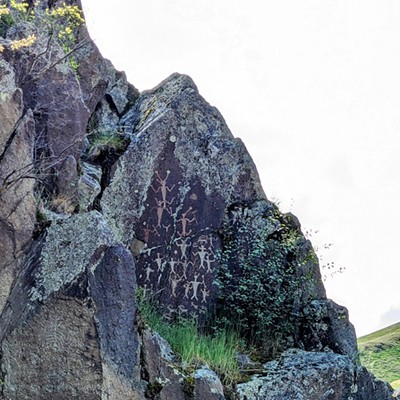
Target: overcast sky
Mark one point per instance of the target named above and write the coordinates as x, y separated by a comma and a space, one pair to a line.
313, 89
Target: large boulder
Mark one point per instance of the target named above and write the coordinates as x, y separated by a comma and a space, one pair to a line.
301, 375
68, 330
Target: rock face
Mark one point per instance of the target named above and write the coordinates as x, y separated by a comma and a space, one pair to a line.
307, 376
104, 190
177, 178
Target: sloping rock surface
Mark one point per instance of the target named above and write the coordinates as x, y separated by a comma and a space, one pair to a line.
300, 375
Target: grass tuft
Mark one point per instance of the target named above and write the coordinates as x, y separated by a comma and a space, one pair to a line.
217, 350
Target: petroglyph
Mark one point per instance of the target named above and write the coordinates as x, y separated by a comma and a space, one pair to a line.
163, 188
195, 286
174, 283
148, 231
186, 220
172, 264
148, 273
185, 264
159, 262
204, 293
187, 287
202, 253
208, 262
183, 245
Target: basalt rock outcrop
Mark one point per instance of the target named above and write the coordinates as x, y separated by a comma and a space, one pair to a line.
105, 190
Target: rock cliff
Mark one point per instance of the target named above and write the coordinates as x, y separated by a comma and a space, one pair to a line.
105, 190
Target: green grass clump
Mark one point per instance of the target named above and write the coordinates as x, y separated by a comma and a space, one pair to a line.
217, 350
380, 354
108, 140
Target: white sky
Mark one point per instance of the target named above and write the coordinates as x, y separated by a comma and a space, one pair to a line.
313, 89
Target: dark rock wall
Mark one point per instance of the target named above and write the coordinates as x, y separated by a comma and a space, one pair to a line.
103, 189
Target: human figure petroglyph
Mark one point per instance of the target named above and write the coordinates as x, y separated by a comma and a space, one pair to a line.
147, 232
206, 239
148, 270
183, 246
163, 187
209, 261
172, 264
187, 287
174, 283
195, 286
160, 211
202, 253
185, 264
186, 220
159, 261
204, 293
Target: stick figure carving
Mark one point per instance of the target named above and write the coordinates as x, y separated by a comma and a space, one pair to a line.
174, 283
159, 261
187, 287
183, 244
205, 293
147, 232
186, 220
195, 286
148, 272
163, 187
209, 261
172, 263
185, 264
202, 253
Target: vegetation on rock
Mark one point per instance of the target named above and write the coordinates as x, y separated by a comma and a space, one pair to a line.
192, 343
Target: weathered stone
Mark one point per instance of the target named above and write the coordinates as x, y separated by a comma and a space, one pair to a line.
191, 168
327, 325
207, 385
69, 330
300, 375
122, 94
89, 186
113, 290
18, 205
165, 382
54, 355
10, 103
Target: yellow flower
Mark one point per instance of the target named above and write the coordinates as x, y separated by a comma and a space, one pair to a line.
4, 10
1, 48
21, 7
26, 42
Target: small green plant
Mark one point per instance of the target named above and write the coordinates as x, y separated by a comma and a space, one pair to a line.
192, 344
106, 141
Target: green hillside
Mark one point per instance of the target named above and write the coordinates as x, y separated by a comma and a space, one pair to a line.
380, 353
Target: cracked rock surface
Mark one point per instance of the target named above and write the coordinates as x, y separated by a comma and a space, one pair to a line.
104, 190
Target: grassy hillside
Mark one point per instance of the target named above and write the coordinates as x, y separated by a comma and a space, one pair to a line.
380, 353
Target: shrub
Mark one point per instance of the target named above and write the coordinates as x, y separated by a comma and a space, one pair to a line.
260, 281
